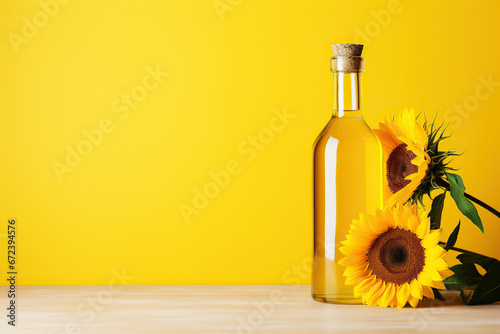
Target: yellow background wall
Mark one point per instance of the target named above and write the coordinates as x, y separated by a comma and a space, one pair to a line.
231, 71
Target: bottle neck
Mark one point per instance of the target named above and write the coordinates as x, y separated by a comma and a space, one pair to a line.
346, 93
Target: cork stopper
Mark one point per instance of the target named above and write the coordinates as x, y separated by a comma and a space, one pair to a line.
347, 58
347, 50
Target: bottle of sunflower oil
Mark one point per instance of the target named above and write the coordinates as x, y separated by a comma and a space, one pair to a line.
347, 159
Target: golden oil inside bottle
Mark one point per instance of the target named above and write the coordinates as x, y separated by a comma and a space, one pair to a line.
348, 174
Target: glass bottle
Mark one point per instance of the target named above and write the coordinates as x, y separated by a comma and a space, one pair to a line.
347, 159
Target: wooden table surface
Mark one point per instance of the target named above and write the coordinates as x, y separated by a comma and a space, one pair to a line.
227, 309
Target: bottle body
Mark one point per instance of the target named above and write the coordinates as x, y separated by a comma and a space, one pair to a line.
348, 172
347, 182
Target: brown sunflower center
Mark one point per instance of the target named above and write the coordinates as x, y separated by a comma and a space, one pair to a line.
396, 256
399, 166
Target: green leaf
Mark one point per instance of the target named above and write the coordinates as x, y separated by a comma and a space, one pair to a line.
465, 206
484, 261
452, 239
438, 295
436, 211
466, 275
488, 289
466, 294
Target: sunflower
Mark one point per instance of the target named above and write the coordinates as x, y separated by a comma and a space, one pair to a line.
393, 257
404, 142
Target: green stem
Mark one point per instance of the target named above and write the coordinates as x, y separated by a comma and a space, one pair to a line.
446, 185
456, 249
484, 205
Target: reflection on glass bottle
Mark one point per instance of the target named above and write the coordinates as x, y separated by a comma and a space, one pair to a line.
347, 158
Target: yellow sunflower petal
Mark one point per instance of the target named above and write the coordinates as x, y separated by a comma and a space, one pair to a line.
435, 252
438, 285
404, 294
375, 293
424, 278
432, 272
352, 260
413, 223
423, 229
388, 295
364, 286
427, 291
432, 239
416, 289
357, 270
445, 273
413, 301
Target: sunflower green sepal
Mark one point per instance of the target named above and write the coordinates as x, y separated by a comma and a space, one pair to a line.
439, 162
